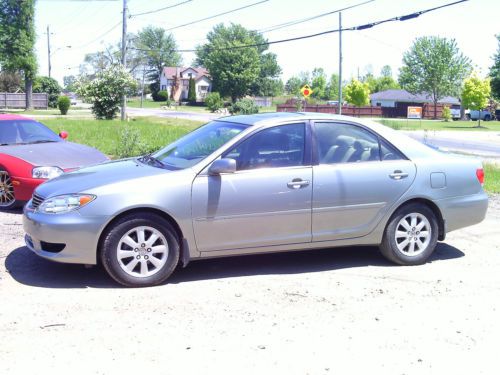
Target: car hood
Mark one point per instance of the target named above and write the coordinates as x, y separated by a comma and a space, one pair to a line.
65, 155
85, 179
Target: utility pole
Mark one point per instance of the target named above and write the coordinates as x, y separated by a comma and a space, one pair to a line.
340, 63
124, 52
48, 49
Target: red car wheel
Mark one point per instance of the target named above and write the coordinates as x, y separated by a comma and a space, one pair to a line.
7, 197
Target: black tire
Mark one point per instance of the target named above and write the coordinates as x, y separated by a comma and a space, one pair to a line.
487, 118
395, 249
125, 228
7, 196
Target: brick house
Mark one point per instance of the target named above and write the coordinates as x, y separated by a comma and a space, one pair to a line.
177, 79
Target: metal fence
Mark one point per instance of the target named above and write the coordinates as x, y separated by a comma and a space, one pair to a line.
18, 100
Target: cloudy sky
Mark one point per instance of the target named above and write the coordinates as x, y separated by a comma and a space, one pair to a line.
89, 26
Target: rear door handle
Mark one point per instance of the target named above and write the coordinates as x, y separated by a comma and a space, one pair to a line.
297, 183
398, 175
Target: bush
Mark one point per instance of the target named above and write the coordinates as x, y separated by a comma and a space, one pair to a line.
130, 144
214, 101
192, 91
63, 103
50, 86
105, 91
244, 107
446, 114
161, 96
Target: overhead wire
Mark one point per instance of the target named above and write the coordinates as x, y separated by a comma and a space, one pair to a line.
160, 9
353, 28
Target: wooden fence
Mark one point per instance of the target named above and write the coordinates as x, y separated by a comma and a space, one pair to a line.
367, 111
18, 100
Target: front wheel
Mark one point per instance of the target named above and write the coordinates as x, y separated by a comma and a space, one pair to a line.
140, 249
7, 196
411, 235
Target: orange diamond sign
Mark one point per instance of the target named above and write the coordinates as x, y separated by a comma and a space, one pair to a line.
306, 91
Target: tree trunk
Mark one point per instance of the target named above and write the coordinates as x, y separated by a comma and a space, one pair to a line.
435, 109
29, 93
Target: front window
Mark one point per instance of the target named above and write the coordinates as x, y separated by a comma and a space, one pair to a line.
16, 132
197, 145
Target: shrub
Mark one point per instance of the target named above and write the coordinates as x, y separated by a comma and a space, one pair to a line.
214, 101
105, 91
244, 107
50, 86
192, 91
63, 103
130, 144
446, 114
161, 96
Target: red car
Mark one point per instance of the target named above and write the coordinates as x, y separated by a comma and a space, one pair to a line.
31, 153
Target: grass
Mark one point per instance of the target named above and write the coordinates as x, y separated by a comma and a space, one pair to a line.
148, 103
107, 136
492, 178
403, 124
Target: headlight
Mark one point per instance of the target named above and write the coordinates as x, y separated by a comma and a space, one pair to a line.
46, 172
65, 203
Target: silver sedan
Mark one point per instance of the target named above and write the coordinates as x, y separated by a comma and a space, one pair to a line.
256, 184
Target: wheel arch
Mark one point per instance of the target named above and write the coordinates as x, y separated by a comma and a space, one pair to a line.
430, 204
183, 245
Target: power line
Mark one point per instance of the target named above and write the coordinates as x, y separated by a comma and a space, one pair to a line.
217, 15
296, 22
159, 10
353, 28
100, 36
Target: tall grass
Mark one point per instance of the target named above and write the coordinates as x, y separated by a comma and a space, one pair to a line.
492, 178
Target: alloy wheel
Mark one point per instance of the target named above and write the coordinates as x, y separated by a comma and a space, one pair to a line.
413, 234
7, 197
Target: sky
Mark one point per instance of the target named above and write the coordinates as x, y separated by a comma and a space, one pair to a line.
78, 27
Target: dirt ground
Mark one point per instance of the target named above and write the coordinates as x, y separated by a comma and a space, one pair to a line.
337, 311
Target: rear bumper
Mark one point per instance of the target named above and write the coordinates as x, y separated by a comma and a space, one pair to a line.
464, 211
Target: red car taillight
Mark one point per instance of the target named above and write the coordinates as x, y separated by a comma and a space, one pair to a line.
480, 175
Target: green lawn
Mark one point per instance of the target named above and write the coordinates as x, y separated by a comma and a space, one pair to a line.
492, 178
148, 103
116, 138
404, 124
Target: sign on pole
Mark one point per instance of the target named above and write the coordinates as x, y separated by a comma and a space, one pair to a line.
306, 91
414, 112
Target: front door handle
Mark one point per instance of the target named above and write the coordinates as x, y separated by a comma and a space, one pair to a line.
398, 175
297, 183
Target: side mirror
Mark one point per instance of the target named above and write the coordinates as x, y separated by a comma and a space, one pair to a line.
222, 166
63, 134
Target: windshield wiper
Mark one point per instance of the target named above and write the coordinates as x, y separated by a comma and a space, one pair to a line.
148, 159
39, 141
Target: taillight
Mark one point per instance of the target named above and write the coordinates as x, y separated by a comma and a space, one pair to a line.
480, 175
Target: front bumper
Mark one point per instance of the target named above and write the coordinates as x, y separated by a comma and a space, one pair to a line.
46, 233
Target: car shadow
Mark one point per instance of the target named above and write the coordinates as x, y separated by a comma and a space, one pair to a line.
15, 211
29, 269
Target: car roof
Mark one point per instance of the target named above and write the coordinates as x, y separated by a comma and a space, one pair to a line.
11, 116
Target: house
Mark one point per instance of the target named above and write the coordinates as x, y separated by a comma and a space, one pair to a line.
177, 79
395, 103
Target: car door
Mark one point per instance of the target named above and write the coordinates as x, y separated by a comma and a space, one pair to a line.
357, 177
266, 202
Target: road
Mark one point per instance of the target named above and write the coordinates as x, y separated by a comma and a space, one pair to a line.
333, 311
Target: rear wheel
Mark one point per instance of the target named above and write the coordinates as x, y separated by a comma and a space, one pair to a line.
7, 196
140, 249
411, 235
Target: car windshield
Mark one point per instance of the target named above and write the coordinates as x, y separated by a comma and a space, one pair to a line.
21, 132
195, 146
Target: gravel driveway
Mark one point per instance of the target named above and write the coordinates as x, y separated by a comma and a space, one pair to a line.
342, 311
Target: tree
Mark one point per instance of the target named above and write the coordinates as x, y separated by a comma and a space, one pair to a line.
105, 91
50, 86
158, 50
318, 83
10, 81
357, 93
386, 71
112, 55
17, 41
332, 88
268, 83
434, 66
237, 71
293, 85
69, 83
495, 72
192, 91
476, 93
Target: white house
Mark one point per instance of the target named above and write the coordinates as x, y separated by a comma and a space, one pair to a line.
177, 79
